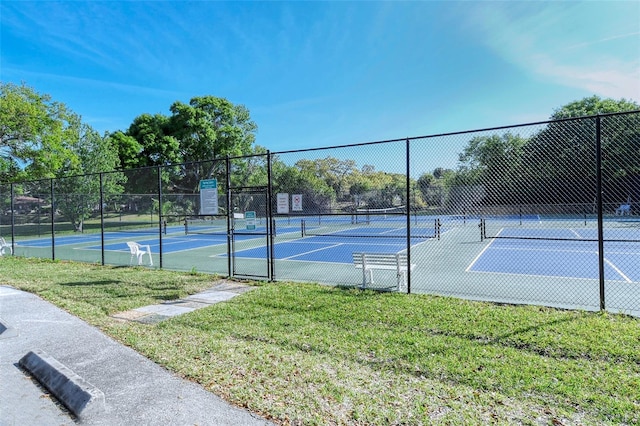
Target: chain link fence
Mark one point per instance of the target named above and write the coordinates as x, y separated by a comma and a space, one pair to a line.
544, 213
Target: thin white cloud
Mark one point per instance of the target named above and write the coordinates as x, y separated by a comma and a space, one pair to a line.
93, 83
556, 42
608, 79
604, 40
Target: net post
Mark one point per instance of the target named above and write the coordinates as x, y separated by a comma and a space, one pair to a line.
520, 210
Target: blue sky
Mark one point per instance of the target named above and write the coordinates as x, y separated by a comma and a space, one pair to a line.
326, 73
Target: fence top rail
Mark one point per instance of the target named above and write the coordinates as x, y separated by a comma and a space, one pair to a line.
462, 132
269, 153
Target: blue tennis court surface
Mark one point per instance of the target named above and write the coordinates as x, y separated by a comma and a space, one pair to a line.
571, 257
116, 241
84, 238
330, 248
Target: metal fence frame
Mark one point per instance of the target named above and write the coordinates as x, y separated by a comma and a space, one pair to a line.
162, 193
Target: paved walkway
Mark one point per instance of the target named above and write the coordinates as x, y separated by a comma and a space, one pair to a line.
225, 290
136, 390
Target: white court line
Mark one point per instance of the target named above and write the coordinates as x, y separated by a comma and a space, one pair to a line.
312, 251
481, 253
618, 271
614, 267
576, 233
542, 249
516, 274
343, 243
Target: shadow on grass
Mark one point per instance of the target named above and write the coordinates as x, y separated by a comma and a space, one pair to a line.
84, 283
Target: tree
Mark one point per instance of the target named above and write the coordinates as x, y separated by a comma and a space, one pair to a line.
333, 171
377, 189
430, 189
210, 127
128, 148
317, 194
204, 129
78, 185
155, 136
35, 134
565, 154
593, 105
494, 162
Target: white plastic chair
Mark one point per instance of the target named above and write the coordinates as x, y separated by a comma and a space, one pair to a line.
138, 250
4, 245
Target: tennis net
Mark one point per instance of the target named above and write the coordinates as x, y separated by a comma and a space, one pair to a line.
208, 226
561, 230
372, 229
372, 215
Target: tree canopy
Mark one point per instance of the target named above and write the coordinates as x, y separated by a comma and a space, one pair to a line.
36, 134
555, 163
207, 127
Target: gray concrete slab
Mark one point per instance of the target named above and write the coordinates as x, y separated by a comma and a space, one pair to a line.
166, 310
212, 296
136, 390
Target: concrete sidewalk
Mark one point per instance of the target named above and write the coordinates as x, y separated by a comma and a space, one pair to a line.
136, 390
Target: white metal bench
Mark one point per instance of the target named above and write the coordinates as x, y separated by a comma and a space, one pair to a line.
383, 261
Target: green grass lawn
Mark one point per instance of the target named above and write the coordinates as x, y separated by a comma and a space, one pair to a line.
311, 354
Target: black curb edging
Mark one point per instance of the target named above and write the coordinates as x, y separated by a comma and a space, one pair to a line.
79, 396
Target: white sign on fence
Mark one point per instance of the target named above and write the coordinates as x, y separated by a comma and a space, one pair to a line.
296, 202
209, 196
283, 203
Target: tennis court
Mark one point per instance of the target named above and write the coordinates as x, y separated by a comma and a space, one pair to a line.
335, 239
174, 240
562, 249
337, 249
533, 248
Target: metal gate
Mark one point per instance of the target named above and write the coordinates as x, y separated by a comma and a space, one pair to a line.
250, 233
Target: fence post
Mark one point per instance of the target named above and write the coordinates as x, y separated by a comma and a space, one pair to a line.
101, 219
53, 223
270, 221
159, 171
600, 213
229, 214
13, 222
408, 198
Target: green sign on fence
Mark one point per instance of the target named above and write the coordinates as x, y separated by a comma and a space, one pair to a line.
250, 218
